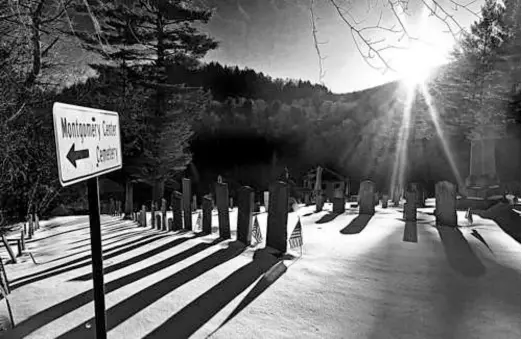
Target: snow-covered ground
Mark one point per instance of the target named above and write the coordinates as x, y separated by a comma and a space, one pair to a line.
358, 277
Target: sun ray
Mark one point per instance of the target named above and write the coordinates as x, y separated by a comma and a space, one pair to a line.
399, 164
440, 133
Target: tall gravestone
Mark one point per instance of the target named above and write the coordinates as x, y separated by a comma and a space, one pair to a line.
446, 204
276, 234
367, 198
153, 214
187, 208
222, 206
419, 193
245, 209
266, 199
410, 206
338, 201
385, 201
177, 215
143, 216
207, 215
194, 203
163, 214
396, 196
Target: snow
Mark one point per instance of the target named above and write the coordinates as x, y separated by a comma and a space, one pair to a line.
357, 278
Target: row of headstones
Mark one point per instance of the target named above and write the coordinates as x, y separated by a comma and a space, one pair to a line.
115, 207
27, 232
181, 207
445, 201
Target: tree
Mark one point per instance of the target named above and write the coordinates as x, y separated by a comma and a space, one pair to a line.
383, 28
156, 35
473, 86
30, 32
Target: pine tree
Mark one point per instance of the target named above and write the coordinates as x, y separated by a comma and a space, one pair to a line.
156, 35
473, 86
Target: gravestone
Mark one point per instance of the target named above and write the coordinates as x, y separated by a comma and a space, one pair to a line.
207, 215
30, 226
319, 201
231, 203
222, 206
385, 201
396, 196
419, 193
158, 221
153, 214
143, 216
245, 209
266, 196
164, 214
187, 208
446, 204
276, 234
177, 203
366, 198
410, 206
170, 225
338, 201
194, 203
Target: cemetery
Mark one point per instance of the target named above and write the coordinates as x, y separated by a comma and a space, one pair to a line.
250, 169
259, 257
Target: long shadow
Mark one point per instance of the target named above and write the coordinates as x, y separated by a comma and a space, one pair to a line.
114, 238
135, 259
503, 215
357, 224
308, 214
327, 218
67, 266
80, 229
88, 239
189, 319
410, 232
262, 285
84, 220
119, 237
459, 254
477, 235
139, 301
59, 310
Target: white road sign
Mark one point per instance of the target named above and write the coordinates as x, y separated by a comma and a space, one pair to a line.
87, 142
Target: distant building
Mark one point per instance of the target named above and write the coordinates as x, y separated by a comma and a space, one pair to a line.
330, 181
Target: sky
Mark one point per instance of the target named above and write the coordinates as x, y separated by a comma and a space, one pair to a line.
275, 37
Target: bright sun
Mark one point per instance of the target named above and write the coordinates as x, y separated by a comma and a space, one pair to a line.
416, 64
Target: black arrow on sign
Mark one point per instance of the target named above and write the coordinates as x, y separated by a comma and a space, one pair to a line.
73, 155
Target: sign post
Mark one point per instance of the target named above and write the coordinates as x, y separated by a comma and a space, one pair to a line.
88, 145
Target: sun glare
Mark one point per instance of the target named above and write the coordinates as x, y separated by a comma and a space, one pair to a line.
416, 65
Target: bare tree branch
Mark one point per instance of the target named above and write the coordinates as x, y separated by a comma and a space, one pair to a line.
316, 44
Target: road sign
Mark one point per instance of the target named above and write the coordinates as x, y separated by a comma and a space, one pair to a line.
88, 142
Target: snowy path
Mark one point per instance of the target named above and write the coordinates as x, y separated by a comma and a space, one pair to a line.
359, 277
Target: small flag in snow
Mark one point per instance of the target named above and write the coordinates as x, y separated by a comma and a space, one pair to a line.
469, 216
256, 231
296, 238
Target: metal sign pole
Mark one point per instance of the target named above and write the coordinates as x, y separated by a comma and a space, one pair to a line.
97, 258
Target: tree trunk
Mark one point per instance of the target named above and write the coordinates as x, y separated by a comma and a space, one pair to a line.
129, 197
